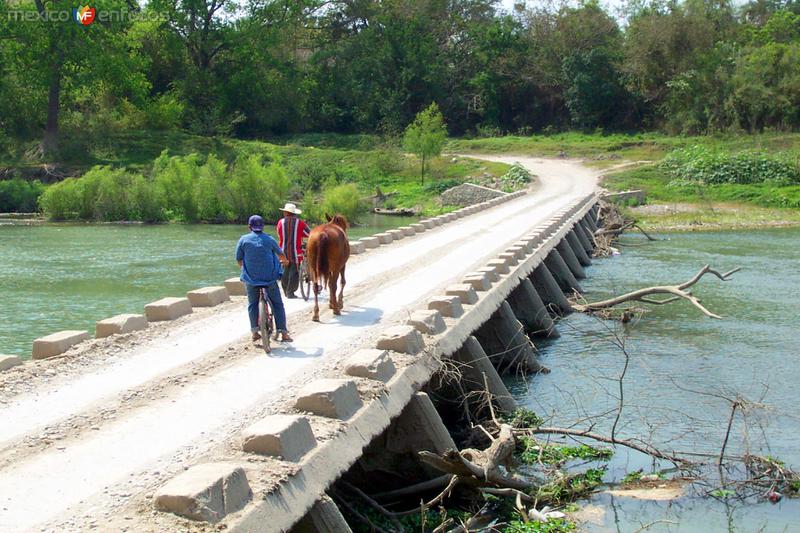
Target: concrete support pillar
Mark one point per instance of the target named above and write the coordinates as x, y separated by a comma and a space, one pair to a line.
589, 220
477, 373
584, 237
561, 272
324, 517
505, 342
394, 454
529, 309
570, 259
547, 288
577, 247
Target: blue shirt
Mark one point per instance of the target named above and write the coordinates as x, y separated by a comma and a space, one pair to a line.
259, 255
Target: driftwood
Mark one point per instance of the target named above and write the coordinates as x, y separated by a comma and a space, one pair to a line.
677, 292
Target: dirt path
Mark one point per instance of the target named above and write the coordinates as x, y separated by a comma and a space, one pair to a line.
85, 439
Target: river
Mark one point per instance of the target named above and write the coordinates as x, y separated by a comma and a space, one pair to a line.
68, 276
678, 360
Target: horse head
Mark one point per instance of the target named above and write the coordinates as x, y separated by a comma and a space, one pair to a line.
338, 220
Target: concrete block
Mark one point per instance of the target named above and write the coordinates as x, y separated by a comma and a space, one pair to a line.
429, 322
208, 296
419, 228
323, 517
370, 242
510, 258
478, 281
384, 238
419, 427
519, 251
549, 291
9, 361
437, 221
57, 343
206, 492
333, 398
428, 223
449, 306
119, 324
569, 257
167, 309
235, 287
465, 292
408, 231
525, 245
357, 247
396, 234
403, 339
286, 436
370, 364
490, 272
500, 266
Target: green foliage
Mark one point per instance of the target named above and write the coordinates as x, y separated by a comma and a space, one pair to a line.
426, 136
20, 196
534, 452
175, 178
632, 477
702, 165
255, 188
557, 525
105, 194
571, 487
439, 186
722, 493
524, 418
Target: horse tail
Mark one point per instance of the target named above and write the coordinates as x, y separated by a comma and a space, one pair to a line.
321, 265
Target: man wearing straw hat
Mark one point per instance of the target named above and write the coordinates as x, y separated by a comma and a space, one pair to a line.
291, 232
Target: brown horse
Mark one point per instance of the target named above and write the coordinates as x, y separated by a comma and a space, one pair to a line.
327, 252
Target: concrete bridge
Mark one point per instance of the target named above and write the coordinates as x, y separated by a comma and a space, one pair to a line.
174, 421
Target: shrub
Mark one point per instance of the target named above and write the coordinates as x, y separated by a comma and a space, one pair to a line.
63, 200
110, 202
255, 188
163, 113
344, 199
705, 166
211, 194
175, 179
18, 195
144, 203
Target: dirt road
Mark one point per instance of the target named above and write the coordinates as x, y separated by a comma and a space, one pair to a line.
85, 440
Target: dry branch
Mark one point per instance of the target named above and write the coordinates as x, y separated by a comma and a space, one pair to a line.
642, 295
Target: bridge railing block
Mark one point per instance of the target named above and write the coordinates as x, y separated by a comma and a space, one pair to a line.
57, 343
167, 309
206, 492
286, 436
427, 322
332, 398
371, 364
9, 361
119, 324
208, 296
464, 291
449, 306
403, 339
235, 287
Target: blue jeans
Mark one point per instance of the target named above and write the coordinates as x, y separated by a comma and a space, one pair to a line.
274, 296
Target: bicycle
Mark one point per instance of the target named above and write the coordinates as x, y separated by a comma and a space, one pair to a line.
303, 277
266, 323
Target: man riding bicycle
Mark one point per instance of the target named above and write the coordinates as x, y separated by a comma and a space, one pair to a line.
260, 258
291, 232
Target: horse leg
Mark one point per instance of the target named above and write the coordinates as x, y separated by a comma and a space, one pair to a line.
341, 288
315, 318
336, 309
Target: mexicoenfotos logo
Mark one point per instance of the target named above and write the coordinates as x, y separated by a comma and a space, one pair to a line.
84, 15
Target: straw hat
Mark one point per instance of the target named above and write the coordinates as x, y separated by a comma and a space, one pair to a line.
291, 208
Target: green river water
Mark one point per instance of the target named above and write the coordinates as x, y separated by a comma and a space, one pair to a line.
677, 357
68, 276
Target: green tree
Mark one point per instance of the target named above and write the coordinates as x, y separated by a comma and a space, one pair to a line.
425, 136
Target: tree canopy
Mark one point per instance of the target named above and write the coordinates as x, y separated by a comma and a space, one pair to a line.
259, 68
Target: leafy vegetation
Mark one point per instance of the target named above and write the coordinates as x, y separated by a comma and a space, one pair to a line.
18, 195
557, 525
425, 136
534, 452
704, 166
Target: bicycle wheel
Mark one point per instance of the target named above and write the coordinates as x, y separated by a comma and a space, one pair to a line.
264, 321
305, 281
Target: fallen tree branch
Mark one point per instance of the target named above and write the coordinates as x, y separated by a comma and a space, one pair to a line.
646, 449
677, 291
